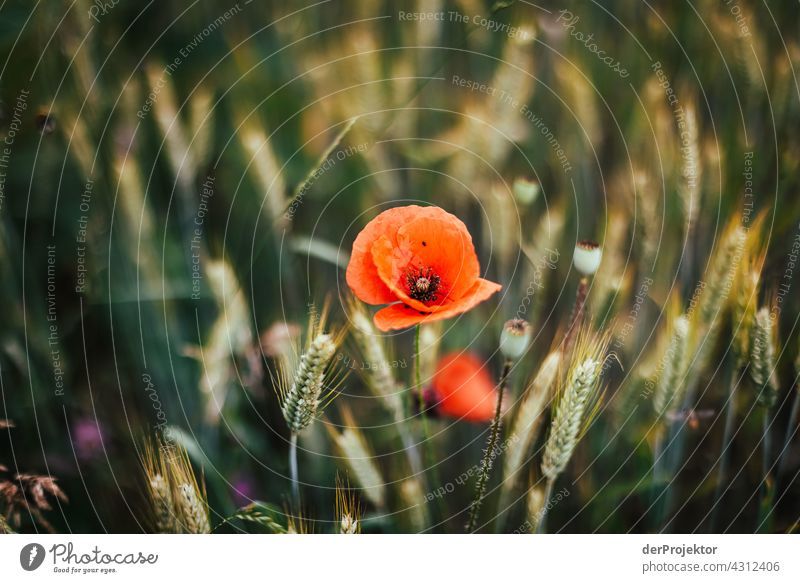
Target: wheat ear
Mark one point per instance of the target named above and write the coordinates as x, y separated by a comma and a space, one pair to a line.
178, 503
535, 506
301, 402
669, 389
744, 315
381, 379
689, 188
192, 509
762, 371
360, 460
163, 508
305, 389
569, 420
762, 358
159, 490
348, 510
576, 404
525, 426
188, 497
413, 498
722, 274
379, 369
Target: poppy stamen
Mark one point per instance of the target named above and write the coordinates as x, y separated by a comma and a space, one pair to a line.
423, 285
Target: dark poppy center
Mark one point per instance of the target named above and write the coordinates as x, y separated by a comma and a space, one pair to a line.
423, 284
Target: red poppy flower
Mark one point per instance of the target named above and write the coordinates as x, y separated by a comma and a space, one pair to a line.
422, 261
463, 388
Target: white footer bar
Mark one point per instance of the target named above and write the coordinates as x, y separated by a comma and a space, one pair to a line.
406, 558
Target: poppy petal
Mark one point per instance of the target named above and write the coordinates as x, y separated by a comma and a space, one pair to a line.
361, 274
438, 241
445, 246
389, 262
399, 316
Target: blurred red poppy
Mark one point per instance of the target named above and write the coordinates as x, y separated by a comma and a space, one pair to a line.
463, 388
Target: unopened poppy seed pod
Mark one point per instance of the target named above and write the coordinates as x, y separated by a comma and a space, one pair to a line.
587, 257
514, 338
525, 190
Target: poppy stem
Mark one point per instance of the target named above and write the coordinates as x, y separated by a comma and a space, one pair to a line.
426, 446
418, 389
293, 469
418, 373
490, 452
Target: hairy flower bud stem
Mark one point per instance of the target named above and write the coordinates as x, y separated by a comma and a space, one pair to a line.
578, 310
491, 446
